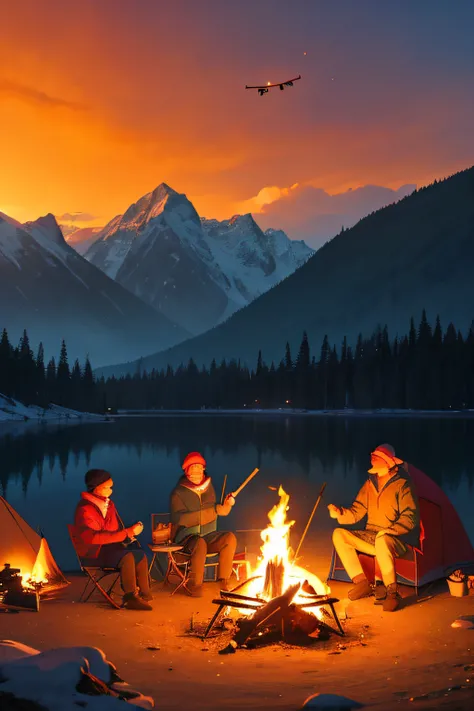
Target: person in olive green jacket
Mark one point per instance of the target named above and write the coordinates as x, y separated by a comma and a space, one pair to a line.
389, 501
194, 512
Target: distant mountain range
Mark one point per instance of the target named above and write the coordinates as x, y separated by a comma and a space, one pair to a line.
415, 254
198, 272
53, 292
82, 238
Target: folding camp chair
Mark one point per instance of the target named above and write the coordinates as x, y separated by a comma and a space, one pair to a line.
95, 574
411, 570
179, 562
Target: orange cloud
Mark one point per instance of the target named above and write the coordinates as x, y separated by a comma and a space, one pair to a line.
33, 96
311, 213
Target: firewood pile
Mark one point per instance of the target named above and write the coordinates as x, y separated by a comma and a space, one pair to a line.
278, 619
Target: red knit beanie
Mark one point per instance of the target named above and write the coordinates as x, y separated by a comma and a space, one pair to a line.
193, 458
387, 453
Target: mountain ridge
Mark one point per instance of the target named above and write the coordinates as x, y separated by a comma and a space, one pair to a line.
53, 292
196, 271
417, 253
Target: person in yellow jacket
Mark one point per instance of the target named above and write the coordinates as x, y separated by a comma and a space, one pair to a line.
389, 501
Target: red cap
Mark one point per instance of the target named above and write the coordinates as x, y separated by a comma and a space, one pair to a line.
193, 458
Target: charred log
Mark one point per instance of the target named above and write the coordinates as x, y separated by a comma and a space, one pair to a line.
274, 578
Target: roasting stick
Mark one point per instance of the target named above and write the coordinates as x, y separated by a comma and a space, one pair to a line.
223, 488
309, 521
250, 476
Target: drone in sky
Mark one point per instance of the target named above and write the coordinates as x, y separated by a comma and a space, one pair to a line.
265, 89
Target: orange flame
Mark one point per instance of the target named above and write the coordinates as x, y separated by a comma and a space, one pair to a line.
37, 576
276, 548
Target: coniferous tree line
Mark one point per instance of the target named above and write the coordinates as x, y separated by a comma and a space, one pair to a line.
26, 377
427, 369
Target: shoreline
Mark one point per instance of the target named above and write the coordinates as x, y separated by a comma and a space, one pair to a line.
460, 414
17, 426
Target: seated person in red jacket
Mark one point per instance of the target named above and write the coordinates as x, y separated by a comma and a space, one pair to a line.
101, 534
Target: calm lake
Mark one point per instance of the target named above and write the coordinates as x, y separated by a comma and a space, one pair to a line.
42, 471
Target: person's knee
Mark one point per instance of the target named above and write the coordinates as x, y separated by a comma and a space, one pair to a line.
338, 536
231, 539
384, 544
200, 547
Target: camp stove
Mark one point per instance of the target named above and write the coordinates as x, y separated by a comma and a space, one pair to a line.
13, 594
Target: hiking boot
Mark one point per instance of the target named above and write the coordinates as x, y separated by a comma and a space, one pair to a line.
194, 590
380, 593
392, 601
362, 589
227, 584
134, 602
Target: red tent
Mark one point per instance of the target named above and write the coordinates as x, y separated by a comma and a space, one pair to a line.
445, 545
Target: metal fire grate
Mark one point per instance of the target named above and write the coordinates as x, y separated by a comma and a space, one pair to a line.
235, 600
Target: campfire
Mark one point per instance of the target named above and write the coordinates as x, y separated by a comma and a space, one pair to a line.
277, 569
35, 580
280, 599
17, 590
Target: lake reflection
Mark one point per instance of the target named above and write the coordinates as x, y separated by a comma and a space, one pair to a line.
42, 472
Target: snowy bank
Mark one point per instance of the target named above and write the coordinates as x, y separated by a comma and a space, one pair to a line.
64, 679
14, 411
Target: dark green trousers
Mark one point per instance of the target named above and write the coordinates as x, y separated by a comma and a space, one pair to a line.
222, 542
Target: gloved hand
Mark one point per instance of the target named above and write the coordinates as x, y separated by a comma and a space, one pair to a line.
229, 499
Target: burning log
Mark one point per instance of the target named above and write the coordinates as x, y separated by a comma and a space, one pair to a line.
274, 579
275, 610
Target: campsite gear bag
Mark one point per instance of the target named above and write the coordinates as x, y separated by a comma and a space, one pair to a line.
161, 534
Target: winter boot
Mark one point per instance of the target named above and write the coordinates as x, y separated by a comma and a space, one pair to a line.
392, 601
380, 592
133, 602
361, 589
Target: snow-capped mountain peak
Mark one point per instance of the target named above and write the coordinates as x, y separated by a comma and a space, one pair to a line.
149, 206
197, 271
55, 293
253, 260
138, 228
47, 228
12, 240
10, 220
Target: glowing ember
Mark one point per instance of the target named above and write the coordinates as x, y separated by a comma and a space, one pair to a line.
276, 551
35, 578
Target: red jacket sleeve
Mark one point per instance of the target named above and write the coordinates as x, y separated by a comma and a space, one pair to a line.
90, 531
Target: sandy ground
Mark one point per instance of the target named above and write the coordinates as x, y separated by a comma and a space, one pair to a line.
406, 654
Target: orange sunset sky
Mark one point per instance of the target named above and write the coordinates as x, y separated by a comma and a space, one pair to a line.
102, 101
